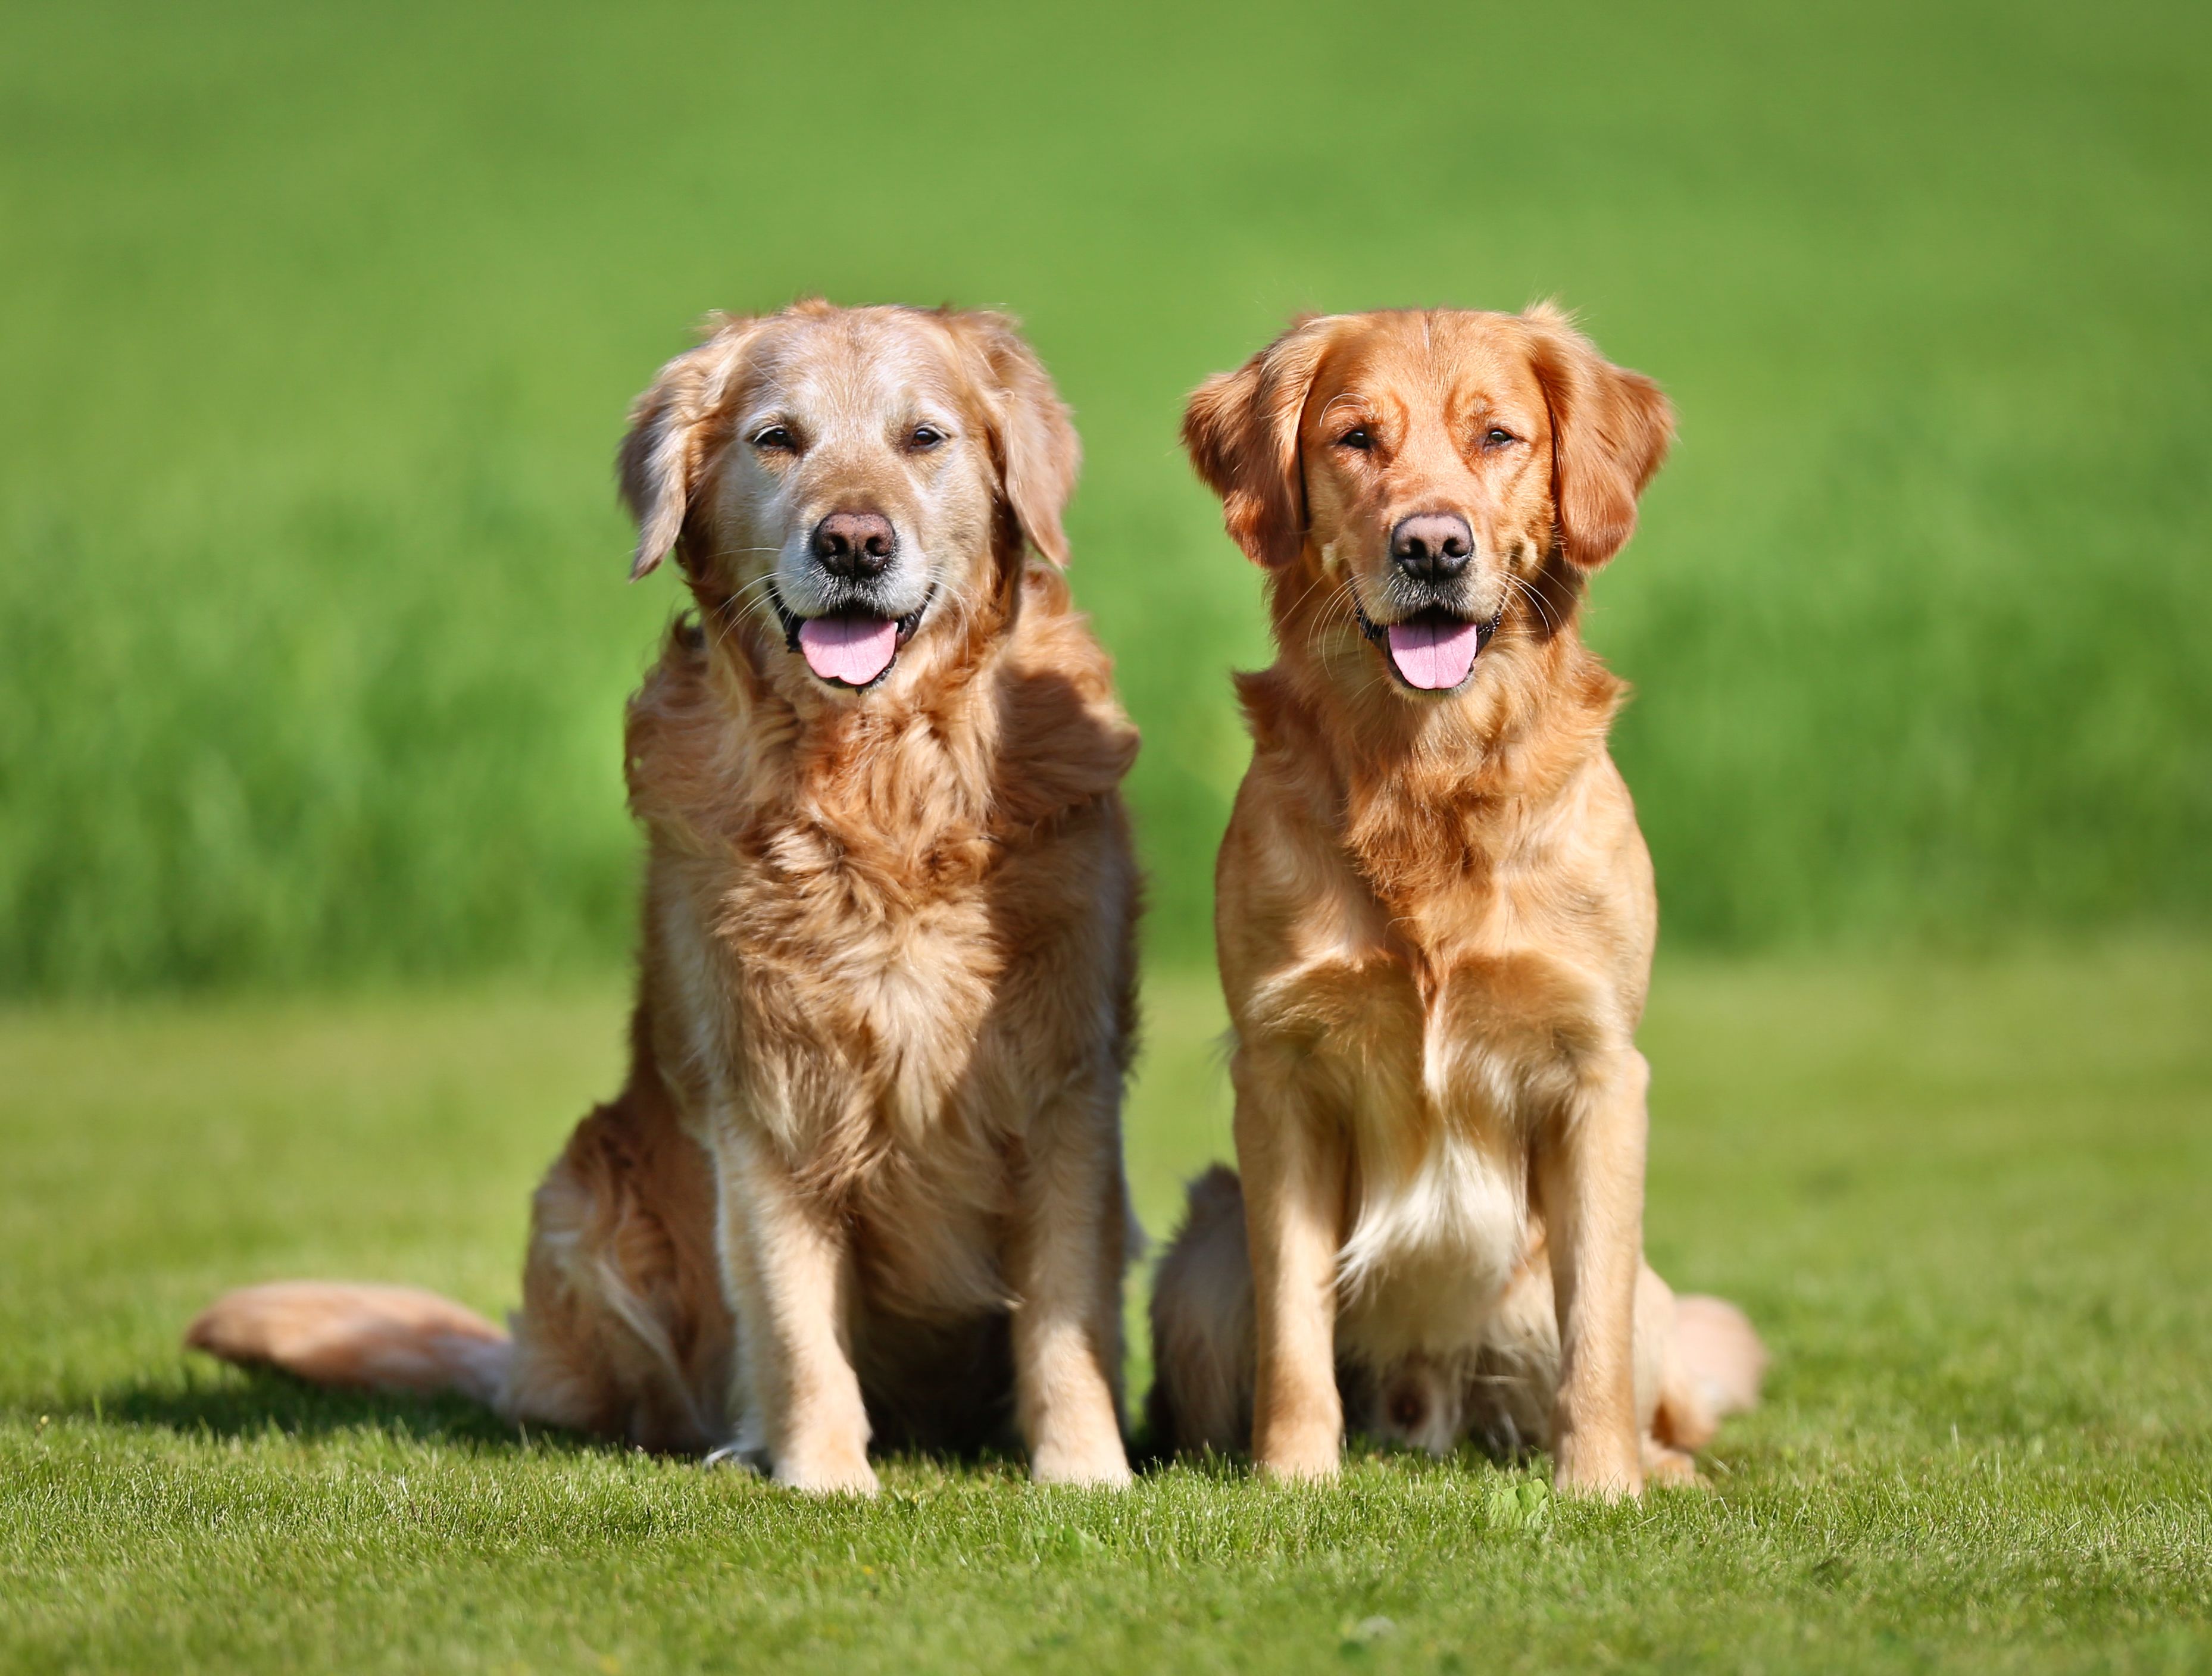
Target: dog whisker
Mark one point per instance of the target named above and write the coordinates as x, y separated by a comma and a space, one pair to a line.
1536, 599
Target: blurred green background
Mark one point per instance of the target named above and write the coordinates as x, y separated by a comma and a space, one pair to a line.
320, 323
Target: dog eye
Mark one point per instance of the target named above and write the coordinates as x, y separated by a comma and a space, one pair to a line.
924, 438
1495, 438
774, 439
1357, 438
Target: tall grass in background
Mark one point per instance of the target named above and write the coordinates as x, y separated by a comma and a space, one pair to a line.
319, 325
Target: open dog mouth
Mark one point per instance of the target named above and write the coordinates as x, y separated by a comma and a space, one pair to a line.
853, 647
1431, 651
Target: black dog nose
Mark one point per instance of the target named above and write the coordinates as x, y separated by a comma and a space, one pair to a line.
855, 545
1432, 545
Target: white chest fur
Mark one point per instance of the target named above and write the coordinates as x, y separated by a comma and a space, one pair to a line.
1433, 1242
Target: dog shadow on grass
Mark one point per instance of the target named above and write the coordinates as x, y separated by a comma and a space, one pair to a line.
253, 1403
257, 1405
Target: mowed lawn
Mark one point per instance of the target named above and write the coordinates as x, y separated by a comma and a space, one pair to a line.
1965, 1200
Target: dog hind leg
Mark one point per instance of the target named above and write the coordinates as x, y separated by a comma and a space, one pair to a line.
622, 1331
1202, 1318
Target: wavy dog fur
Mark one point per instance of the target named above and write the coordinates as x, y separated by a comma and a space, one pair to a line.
1435, 917
865, 1178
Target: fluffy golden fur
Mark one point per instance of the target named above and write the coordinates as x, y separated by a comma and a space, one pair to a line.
865, 1178
1435, 918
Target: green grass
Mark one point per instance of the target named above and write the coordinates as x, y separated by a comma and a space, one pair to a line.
1964, 1199
322, 321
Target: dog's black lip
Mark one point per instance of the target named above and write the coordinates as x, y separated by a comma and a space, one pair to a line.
791, 621
1378, 633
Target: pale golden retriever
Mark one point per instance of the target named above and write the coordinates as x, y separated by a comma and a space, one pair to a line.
1435, 917
865, 1178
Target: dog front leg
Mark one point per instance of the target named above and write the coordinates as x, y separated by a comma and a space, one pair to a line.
1065, 1263
790, 1278
1294, 1171
1589, 1184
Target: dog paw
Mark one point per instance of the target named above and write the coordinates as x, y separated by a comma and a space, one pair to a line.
1100, 1468
1599, 1469
840, 1473
1300, 1458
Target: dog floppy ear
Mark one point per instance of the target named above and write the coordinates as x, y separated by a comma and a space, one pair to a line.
1241, 431
670, 437
1610, 428
1033, 435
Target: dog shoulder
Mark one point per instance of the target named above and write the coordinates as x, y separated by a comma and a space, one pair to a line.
1064, 739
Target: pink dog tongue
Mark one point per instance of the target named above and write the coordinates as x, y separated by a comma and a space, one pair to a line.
852, 649
1433, 657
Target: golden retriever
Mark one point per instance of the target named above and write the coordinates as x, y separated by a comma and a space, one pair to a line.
865, 1178
1435, 918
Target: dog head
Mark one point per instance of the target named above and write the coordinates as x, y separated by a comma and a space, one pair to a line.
1408, 476
837, 482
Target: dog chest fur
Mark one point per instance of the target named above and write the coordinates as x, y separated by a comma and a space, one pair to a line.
856, 955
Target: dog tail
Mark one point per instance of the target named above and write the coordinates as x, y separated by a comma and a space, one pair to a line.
1720, 1352
369, 1338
